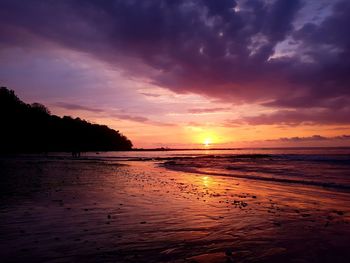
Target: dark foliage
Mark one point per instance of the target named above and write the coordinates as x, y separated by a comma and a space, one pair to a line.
31, 128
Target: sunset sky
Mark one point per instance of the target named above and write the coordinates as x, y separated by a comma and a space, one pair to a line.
179, 73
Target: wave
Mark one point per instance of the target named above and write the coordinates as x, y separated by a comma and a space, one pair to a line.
320, 171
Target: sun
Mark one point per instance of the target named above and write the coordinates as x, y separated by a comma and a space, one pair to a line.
206, 139
207, 142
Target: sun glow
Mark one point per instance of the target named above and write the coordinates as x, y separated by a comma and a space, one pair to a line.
207, 142
206, 138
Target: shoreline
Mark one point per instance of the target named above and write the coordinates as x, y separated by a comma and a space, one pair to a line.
102, 211
181, 149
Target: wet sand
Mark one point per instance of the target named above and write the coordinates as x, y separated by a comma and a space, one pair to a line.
64, 210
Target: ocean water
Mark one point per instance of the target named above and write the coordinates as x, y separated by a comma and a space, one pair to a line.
325, 167
243, 205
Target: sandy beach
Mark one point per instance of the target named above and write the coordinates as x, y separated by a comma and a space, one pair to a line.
59, 209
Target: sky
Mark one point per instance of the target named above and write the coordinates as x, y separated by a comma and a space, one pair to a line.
185, 73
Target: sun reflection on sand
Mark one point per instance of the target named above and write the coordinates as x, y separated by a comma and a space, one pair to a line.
207, 181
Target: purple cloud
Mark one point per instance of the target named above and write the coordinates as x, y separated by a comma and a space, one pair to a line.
313, 138
70, 106
141, 119
207, 110
224, 49
296, 117
150, 94
131, 117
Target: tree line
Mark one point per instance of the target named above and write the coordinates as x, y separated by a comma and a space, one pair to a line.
27, 128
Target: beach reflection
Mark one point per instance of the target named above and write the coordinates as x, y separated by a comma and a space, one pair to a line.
142, 212
207, 181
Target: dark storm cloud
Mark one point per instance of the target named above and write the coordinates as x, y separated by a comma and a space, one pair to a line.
218, 48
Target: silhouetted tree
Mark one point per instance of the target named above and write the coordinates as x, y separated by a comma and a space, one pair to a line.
40, 108
31, 128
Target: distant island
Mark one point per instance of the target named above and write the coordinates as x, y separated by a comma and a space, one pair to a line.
31, 128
